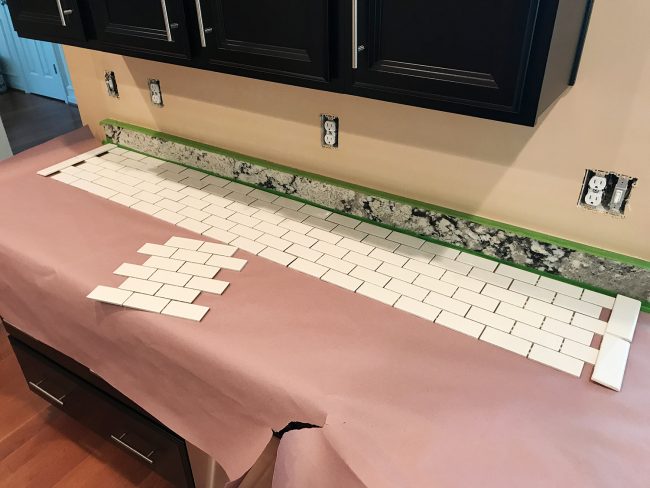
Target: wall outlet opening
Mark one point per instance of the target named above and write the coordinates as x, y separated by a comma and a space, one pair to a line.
155, 92
329, 131
606, 192
111, 84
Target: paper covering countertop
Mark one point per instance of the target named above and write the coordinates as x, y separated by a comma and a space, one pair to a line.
402, 402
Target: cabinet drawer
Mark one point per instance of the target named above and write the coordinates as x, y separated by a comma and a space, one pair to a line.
160, 449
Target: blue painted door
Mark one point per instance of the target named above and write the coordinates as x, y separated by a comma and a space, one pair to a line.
33, 66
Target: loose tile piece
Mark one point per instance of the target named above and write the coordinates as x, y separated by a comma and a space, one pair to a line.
308, 267
415, 307
107, 294
378, 293
341, 280
517, 274
201, 270
157, 250
556, 360
163, 263
141, 286
134, 270
184, 243
598, 299
170, 277
277, 256
506, 341
185, 311
579, 306
216, 287
178, 293
146, 303
611, 362
625, 314
460, 324
220, 249
226, 262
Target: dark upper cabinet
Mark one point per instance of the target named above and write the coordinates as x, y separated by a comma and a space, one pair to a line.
506, 60
282, 40
51, 20
484, 58
142, 27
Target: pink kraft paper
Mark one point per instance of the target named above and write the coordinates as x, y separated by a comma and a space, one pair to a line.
403, 402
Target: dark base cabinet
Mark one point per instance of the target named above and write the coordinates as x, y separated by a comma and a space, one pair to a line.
71, 387
505, 60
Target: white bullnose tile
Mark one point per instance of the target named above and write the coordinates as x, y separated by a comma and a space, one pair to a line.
279, 257
460, 324
342, 280
477, 261
579, 306
170, 277
146, 303
506, 341
107, 294
185, 311
178, 293
611, 362
307, 267
532, 291
538, 336
216, 287
598, 299
476, 299
625, 314
201, 270
226, 262
517, 274
568, 331
415, 307
560, 287
580, 351
141, 286
135, 270
378, 293
519, 314
556, 360
495, 321
163, 263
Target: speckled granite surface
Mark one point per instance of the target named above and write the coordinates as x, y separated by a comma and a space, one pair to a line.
576, 265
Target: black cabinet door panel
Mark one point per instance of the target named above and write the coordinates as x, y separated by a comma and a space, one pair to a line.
463, 51
287, 38
57, 20
144, 26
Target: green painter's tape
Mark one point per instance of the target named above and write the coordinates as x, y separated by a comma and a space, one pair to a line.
490, 223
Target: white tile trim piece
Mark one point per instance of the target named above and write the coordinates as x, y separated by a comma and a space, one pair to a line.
107, 294
609, 370
185, 311
580, 351
556, 360
75, 160
598, 299
625, 314
589, 323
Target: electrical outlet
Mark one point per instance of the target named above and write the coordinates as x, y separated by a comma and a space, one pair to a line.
155, 92
329, 131
606, 192
111, 84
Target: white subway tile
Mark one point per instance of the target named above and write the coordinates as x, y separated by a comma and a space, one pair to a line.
380, 243
556, 360
332, 250
407, 289
217, 201
68, 179
301, 239
568, 331
304, 252
440, 250
163, 263
343, 220
141, 286
579, 351
336, 264
134, 270
125, 200
493, 320
598, 299
170, 277
244, 220
292, 215
506, 341
341, 280
447, 303
266, 206
476, 299
145, 196
288, 203
272, 229
274, 242
344, 231
202, 270
178, 293
147, 303
220, 249
242, 209
611, 362
373, 230
239, 188
171, 194
220, 235
589, 323
325, 236
491, 278
579, 306
504, 295
362, 260
460, 324
462, 281
194, 203
226, 262
532, 291
263, 195
477, 261
517, 274
157, 250
415, 254
317, 212
405, 239
558, 313
455, 266
435, 285
245, 231
248, 245
415, 307
145, 207
397, 272
355, 246
425, 269
388, 257
319, 223
308, 267
277, 256
193, 225
295, 226
107, 294
537, 336
378, 293
185, 311
625, 313
219, 223
216, 287
191, 256
170, 205
560, 287
519, 314
369, 276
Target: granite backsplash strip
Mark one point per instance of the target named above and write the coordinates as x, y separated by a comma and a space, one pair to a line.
571, 264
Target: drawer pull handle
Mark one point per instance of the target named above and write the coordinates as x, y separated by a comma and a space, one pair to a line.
120, 442
37, 387
61, 13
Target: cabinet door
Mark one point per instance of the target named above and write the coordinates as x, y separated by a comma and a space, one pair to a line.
460, 52
49, 20
287, 40
143, 27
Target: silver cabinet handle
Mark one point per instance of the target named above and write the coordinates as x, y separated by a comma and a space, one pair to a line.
202, 30
355, 34
168, 27
120, 442
61, 13
45, 393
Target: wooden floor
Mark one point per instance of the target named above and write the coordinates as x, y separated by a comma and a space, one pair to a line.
40, 447
31, 120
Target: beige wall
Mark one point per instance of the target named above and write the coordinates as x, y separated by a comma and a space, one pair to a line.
521, 176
